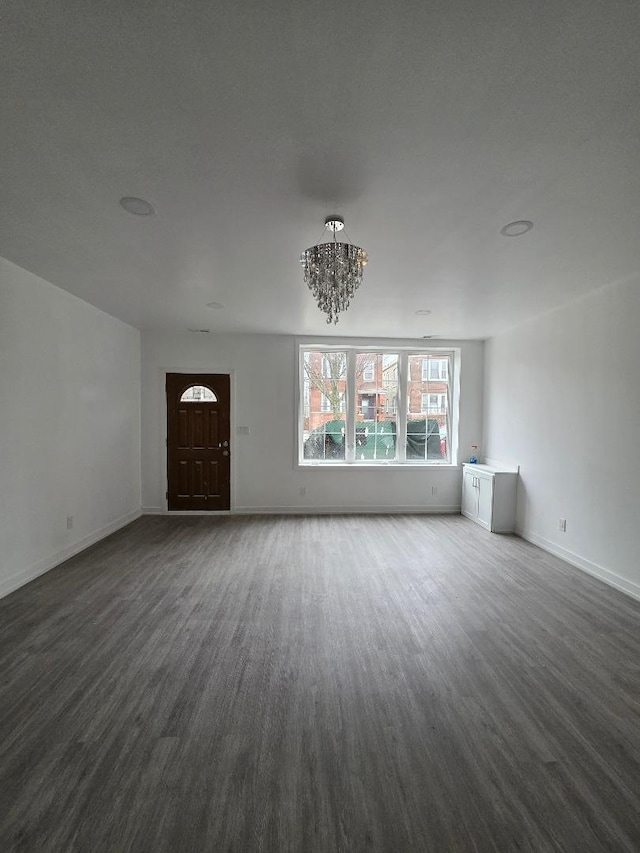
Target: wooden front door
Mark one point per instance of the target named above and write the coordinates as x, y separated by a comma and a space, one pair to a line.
198, 441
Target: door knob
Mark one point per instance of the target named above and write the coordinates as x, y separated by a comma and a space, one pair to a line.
225, 452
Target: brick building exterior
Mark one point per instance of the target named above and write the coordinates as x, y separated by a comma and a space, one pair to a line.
376, 388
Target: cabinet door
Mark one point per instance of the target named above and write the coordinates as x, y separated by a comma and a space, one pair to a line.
485, 501
469, 495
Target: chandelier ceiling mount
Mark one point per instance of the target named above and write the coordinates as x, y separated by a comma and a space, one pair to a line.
334, 223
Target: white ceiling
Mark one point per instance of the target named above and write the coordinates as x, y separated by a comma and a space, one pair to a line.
428, 124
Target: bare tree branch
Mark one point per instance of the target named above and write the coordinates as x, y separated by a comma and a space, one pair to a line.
329, 375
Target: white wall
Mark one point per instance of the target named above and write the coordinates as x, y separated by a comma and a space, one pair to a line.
69, 425
562, 400
264, 473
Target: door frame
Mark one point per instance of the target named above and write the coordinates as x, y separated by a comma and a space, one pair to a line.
163, 467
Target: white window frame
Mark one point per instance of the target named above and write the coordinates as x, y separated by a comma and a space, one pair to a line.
306, 398
451, 355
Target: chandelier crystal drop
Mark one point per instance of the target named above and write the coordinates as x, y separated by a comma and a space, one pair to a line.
333, 271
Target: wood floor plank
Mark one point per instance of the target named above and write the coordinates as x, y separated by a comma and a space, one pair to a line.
320, 683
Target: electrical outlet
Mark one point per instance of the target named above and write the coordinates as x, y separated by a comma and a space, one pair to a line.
69, 522
562, 525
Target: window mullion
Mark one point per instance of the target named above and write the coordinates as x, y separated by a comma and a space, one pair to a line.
300, 392
449, 404
401, 417
351, 407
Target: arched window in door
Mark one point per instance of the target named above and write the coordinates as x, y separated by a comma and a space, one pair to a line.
198, 394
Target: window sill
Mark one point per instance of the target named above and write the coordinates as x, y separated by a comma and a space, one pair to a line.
376, 465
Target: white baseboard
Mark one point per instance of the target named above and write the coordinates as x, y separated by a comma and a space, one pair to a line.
158, 510
344, 510
315, 510
591, 568
22, 577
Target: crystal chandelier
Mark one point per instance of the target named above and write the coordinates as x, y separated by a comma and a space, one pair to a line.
333, 271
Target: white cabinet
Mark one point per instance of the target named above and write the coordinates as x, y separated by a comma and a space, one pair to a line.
489, 497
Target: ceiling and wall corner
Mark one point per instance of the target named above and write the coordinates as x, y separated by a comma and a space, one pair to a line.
428, 126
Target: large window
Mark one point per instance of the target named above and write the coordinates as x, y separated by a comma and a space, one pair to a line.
375, 406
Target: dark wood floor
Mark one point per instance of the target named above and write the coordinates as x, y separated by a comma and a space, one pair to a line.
318, 684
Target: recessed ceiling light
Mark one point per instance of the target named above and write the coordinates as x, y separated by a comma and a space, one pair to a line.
422, 312
517, 228
137, 206
215, 305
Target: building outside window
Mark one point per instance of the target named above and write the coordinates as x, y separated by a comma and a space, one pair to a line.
434, 369
368, 372
434, 404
